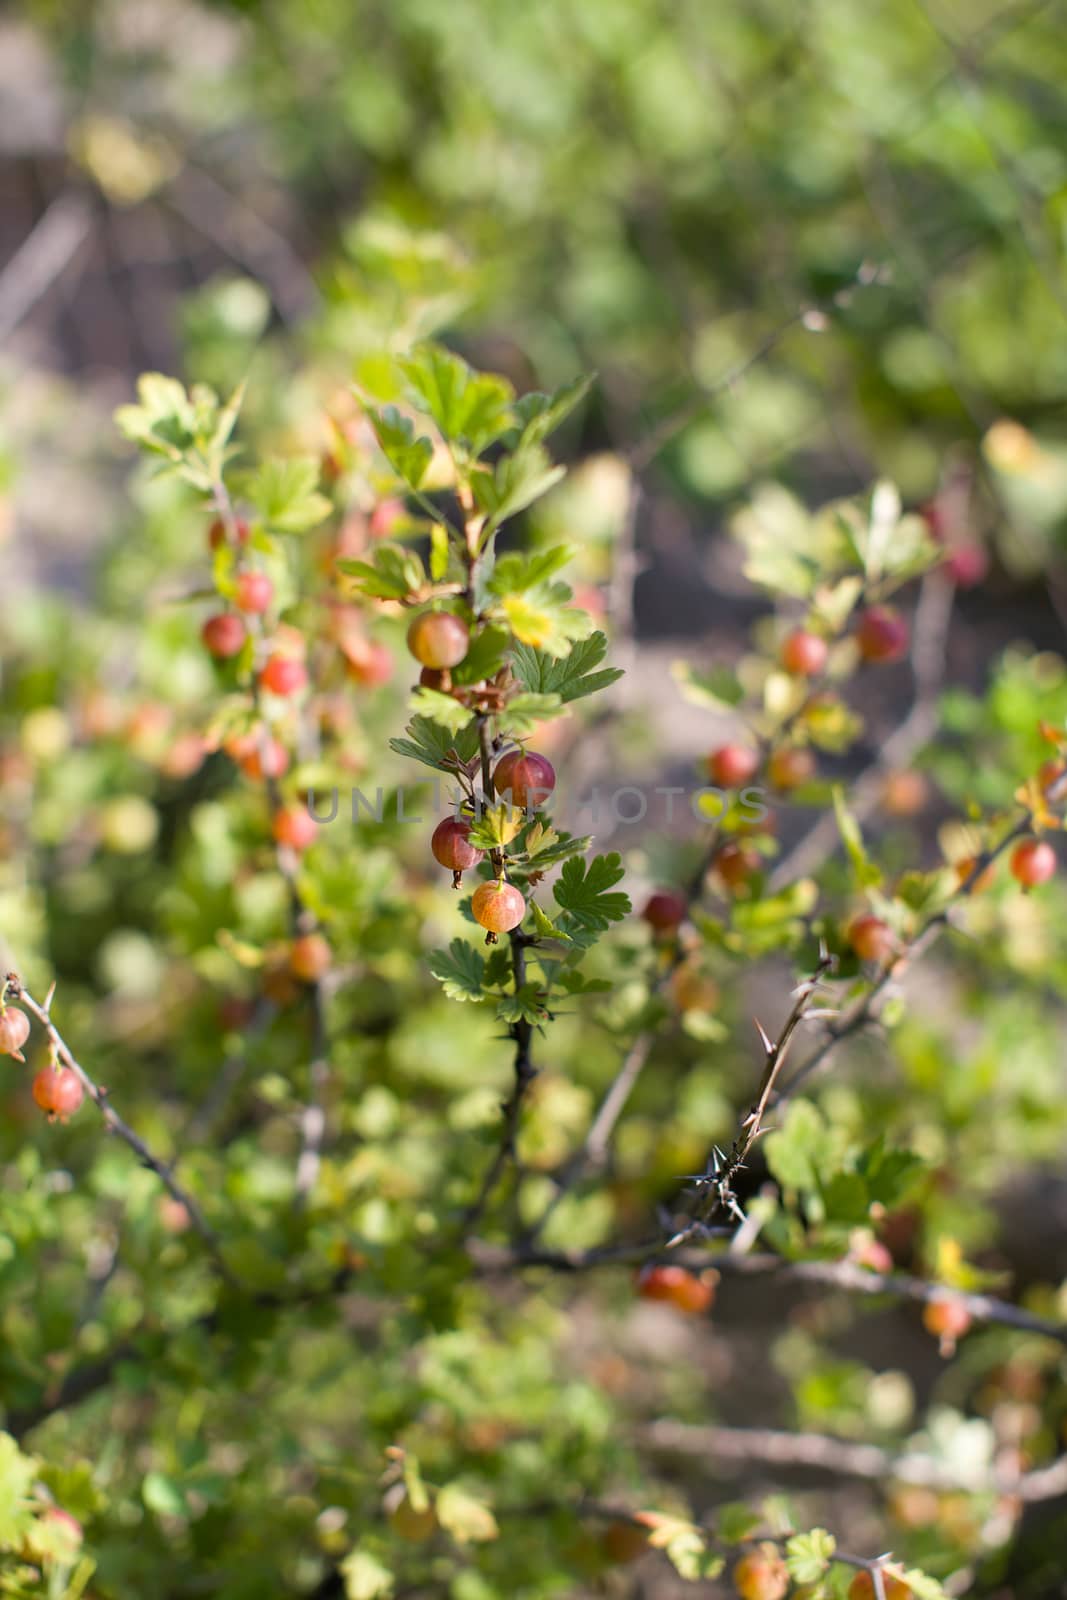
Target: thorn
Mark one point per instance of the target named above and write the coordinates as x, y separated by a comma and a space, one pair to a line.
768, 1044
824, 954
49, 997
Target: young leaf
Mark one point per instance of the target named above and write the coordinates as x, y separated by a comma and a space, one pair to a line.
516, 483
395, 573
808, 1555
440, 708
583, 891
285, 493
866, 874
470, 408
435, 746
460, 970
468, 1519
408, 456
571, 677
538, 415
365, 1578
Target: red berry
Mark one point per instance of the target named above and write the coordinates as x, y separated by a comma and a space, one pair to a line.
368, 662
186, 755
736, 864
683, 1290
295, 827
804, 654
761, 1575
948, 1320
259, 756
905, 793
874, 1255
665, 910
732, 765
968, 565
218, 534
60, 1093
384, 517
882, 635
439, 639
526, 778
310, 957
872, 939
450, 845
1033, 862
791, 767
224, 635
255, 592
14, 1031
498, 907
283, 675
862, 1588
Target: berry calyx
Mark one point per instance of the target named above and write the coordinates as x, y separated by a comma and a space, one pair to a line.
761, 1575
498, 907
1033, 862
736, 864
439, 639
872, 939
451, 847
674, 1286
804, 654
948, 1319
666, 910
283, 675
58, 1091
525, 778
14, 1031
294, 827
882, 635
224, 635
862, 1587
732, 765
310, 957
791, 768
218, 533
254, 592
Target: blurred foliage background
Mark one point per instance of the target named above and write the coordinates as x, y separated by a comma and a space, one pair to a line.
802, 245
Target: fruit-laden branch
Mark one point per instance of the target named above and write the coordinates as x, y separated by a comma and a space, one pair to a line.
846, 1276
13, 990
845, 1458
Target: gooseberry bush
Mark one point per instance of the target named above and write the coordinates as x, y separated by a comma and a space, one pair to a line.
440, 1182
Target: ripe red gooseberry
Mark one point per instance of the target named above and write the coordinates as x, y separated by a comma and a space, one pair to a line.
761, 1575
525, 778
310, 957
871, 938
1033, 862
674, 1286
882, 635
804, 654
732, 765
283, 675
224, 635
498, 907
791, 767
665, 910
438, 639
295, 827
254, 592
948, 1319
451, 847
259, 756
58, 1091
14, 1031
368, 662
967, 565
862, 1587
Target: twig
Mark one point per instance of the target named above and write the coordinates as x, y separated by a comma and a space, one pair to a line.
845, 1458
115, 1123
43, 257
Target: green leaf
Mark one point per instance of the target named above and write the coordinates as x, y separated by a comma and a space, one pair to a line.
528, 1005
285, 493
460, 970
538, 414
17, 1473
546, 847
365, 1577
737, 1521
583, 891
808, 1555
545, 927
435, 746
468, 1519
795, 1150
571, 677
395, 573
440, 708
525, 711
717, 688
439, 551
470, 408
485, 657
164, 1496
515, 483
865, 873
408, 456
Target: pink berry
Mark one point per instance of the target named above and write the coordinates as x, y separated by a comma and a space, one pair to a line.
451, 847
14, 1031
255, 592
498, 907
732, 765
224, 635
804, 654
283, 675
882, 635
1033, 862
295, 827
525, 778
